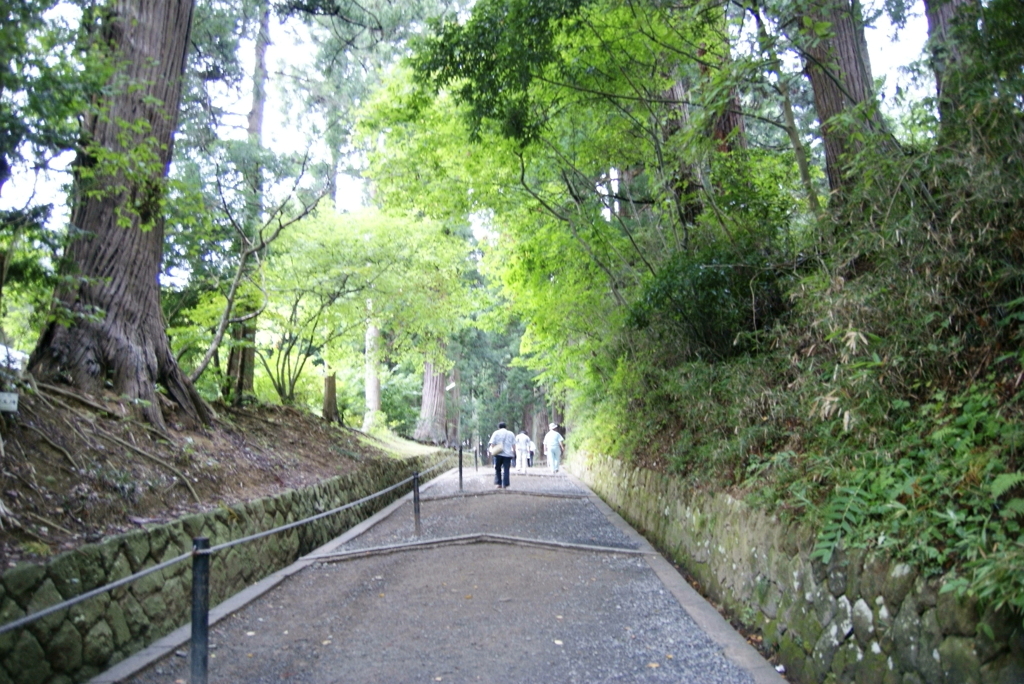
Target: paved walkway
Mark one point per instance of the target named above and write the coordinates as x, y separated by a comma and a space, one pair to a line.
538, 583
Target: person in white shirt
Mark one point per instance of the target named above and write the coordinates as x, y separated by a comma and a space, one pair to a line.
554, 447
522, 447
502, 459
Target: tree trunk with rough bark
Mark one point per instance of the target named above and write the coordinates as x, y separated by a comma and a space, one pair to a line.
541, 421
430, 428
839, 69
117, 261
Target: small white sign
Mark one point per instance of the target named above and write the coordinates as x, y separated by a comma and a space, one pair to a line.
8, 402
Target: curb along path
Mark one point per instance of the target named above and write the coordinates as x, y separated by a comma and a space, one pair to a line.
538, 583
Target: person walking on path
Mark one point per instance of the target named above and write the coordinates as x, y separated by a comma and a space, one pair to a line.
522, 446
503, 458
554, 446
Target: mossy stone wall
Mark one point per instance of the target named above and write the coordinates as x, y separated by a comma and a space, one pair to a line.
862, 618
76, 644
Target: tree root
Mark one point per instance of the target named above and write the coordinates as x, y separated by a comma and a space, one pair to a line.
155, 459
47, 521
100, 408
77, 397
81, 434
56, 447
6, 515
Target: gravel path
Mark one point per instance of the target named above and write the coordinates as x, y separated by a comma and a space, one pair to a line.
483, 612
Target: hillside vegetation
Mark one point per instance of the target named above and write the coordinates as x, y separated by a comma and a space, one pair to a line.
756, 281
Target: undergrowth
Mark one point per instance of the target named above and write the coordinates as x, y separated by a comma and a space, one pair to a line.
884, 408
879, 400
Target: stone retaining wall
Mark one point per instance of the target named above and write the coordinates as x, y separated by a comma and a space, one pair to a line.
78, 643
859, 619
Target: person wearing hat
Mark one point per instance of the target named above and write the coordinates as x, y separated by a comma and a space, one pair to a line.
502, 455
554, 446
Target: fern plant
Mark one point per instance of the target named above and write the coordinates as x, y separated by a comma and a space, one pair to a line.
846, 511
1001, 485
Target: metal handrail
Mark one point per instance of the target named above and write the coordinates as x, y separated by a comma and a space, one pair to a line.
63, 605
21, 622
304, 521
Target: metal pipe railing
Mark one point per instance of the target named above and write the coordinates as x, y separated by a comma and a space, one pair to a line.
200, 554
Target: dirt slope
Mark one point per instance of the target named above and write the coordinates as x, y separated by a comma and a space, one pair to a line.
74, 468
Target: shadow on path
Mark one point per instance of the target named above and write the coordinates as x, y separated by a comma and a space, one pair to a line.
539, 583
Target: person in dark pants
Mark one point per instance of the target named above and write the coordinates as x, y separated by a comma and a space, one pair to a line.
502, 458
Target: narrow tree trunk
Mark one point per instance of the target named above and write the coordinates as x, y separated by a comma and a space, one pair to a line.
838, 67
541, 422
116, 265
242, 358
430, 427
332, 180
330, 409
372, 388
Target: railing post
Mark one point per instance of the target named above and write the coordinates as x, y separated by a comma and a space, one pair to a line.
200, 609
460, 466
416, 501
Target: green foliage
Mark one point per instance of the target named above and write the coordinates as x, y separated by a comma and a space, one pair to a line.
846, 512
135, 162
400, 399
859, 371
492, 59
1004, 483
702, 302
36, 548
50, 72
335, 272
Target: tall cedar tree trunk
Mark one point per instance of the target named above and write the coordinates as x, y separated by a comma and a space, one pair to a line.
242, 358
840, 74
118, 264
430, 428
372, 379
944, 52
